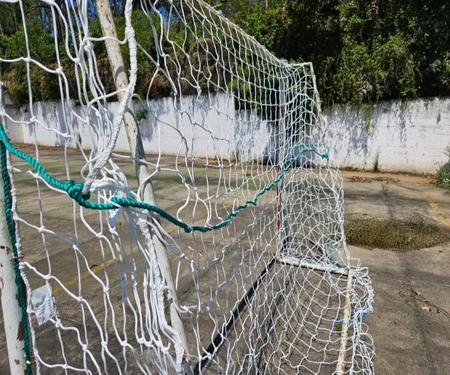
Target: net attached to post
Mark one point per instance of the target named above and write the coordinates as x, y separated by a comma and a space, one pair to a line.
209, 239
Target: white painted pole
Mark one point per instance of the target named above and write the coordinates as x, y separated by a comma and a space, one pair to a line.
137, 152
12, 315
340, 368
281, 156
294, 261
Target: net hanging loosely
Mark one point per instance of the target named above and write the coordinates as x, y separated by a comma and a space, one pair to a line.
175, 212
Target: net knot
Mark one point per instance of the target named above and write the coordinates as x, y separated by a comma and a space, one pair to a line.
75, 191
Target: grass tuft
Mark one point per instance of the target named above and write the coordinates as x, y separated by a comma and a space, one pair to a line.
415, 233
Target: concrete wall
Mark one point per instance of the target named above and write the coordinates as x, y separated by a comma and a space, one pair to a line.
196, 126
397, 136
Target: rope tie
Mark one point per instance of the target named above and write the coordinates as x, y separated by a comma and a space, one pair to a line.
75, 191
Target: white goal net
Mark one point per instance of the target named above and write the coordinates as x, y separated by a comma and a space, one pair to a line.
183, 217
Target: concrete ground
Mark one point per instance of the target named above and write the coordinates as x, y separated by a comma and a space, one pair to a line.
411, 322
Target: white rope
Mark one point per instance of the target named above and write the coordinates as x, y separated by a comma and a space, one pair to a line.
274, 291
124, 102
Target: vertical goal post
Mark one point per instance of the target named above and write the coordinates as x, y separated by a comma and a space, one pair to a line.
137, 148
12, 290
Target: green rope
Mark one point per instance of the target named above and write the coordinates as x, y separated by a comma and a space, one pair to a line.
74, 190
21, 289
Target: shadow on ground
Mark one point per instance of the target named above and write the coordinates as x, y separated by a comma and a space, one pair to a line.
411, 322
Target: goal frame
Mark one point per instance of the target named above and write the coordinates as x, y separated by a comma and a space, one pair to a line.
10, 261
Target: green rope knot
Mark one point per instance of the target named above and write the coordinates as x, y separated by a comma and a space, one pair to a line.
75, 191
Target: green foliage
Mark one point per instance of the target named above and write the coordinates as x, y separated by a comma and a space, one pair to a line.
41, 46
338, 326
368, 110
417, 232
363, 51
357, 78
443, 173
396, 68
266, 24
140, 114
443, 176
441, 69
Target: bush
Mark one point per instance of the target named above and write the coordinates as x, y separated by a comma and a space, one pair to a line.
363, 51
443, 176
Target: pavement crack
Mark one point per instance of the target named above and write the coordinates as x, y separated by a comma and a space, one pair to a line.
419, 297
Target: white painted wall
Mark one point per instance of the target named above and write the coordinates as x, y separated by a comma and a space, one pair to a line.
200, 126
403, 136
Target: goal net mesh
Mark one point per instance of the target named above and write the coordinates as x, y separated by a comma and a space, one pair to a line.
213, 238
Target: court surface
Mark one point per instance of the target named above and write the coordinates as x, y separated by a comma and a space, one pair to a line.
411, 323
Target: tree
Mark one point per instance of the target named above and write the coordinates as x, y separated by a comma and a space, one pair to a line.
362, 50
